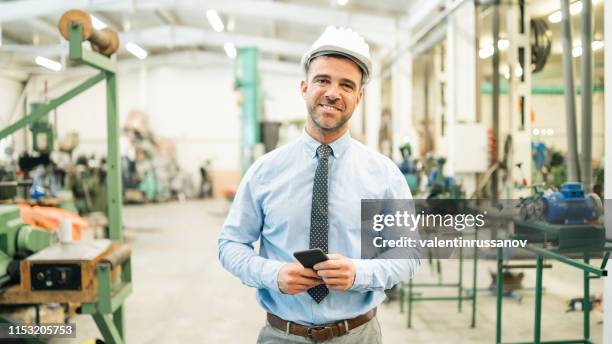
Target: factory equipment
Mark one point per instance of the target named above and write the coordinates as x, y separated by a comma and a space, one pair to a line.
563, 218
410, 168
74, 272
441, 186
42, 134
549, 163
104, 266
17, 240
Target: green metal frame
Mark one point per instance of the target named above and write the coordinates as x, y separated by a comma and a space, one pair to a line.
107, 311
463, 293
246, 76
589, 271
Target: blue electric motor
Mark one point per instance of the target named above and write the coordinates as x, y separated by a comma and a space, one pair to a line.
570, 205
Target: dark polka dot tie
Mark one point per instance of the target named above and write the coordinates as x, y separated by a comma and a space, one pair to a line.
318, 216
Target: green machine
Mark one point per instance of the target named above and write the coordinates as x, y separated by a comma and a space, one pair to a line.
246, 79
106, 307
17, 240
561, 226
42, 133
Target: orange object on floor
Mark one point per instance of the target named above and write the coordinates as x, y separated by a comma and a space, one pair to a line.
49, 218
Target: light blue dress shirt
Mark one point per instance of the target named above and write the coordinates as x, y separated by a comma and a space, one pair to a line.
273, 204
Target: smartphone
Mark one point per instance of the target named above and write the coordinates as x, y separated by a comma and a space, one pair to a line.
310, 258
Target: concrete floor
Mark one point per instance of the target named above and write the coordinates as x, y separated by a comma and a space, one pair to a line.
182, 294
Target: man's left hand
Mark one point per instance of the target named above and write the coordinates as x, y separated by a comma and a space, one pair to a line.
338, 272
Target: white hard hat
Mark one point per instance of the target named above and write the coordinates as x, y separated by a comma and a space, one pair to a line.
341, 41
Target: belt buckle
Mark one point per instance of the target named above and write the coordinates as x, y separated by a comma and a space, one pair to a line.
315, 332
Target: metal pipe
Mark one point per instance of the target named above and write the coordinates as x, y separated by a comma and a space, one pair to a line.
430, 25
587, 98
570, 105
495, 95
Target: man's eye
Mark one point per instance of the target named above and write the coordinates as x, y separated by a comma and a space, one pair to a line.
321, 81
348, 87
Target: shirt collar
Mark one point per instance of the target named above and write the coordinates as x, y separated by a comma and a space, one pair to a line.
338, 147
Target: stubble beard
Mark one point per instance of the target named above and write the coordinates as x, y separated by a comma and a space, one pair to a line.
322, 127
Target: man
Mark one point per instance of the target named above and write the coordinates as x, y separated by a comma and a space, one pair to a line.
307, 194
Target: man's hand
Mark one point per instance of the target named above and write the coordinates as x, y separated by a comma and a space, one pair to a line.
338, 272
293, 278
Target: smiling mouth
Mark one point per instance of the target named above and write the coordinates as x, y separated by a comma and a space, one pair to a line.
329, 107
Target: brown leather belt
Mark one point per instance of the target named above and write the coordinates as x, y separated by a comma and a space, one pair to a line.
323, 332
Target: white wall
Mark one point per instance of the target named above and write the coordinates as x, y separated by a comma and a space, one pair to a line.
9, 94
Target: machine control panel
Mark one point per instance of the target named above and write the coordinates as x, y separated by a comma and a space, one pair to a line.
55, 277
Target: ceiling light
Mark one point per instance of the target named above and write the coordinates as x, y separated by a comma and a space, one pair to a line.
596, 45
576, 7
577, 51
535, 131
503, 44
518, 71
136, 50
230, 50
555, 17
342, 2
214, 20
97, 23
47, 63
485, 52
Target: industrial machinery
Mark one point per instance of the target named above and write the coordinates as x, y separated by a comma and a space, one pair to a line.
549, 164
410, 169
42, 134
94, 274
563, 218
17, 240
74, 272
441, 186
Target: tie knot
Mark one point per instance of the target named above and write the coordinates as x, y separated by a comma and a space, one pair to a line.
323, 151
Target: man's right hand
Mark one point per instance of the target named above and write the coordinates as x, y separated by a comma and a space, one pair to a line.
293, 278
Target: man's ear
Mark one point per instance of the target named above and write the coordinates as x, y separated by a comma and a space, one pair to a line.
303, 88
359, 95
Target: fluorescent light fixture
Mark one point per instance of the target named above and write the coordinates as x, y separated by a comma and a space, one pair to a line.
596, 45
97, 23
576, 7
503, 44
485, 52
230, 50
555, 17
214, 20
342, 2
136, 50
47, 63
518, 71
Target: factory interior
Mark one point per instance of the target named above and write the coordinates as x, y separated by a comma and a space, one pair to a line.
154, 189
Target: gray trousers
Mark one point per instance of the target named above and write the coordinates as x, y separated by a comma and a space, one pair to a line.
366, 333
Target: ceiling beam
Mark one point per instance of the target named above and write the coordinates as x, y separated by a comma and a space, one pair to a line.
375, 28
178, 36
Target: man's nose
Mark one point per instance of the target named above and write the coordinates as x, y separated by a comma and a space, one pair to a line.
332, 92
